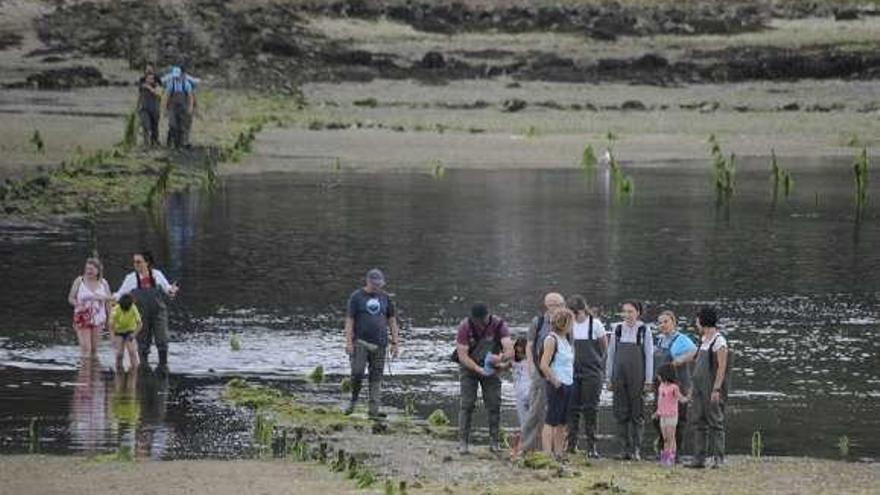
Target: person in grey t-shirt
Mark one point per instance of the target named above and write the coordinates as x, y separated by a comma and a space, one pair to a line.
370, 315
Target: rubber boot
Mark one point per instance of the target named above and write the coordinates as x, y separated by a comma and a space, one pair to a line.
163, 361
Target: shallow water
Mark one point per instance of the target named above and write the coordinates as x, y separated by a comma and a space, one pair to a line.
272, 259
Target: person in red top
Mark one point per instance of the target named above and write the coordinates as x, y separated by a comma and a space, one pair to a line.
668, 397
483, 347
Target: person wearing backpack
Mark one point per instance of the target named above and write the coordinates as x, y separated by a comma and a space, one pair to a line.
709, 391
678, 350
557, 367
538, 331
590, 345
180, 106
483, 348
630, 371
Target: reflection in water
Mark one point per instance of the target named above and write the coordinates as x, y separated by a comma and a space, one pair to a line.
152, 430
88, 409
123, 409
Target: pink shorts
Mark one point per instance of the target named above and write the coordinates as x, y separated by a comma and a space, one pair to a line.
668, 421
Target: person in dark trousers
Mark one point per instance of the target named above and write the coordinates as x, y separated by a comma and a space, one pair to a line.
538, 332
179, 106
590, 347
630, 370
484, 348
677, 350
709, 391
149, 103
370, 316
150, 290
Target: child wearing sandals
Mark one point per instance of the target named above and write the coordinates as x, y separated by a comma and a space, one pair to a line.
668, 397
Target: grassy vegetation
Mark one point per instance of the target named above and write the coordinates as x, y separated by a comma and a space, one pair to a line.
125, 177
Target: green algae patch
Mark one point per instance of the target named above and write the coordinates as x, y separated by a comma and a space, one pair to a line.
128, 177
287, 410
539, 460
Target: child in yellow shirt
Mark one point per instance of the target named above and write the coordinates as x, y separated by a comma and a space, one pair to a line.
125, 325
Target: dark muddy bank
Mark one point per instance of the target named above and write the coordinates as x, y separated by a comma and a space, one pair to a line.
272, 46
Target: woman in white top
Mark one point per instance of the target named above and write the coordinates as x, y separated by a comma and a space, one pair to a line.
90, 297
149, 287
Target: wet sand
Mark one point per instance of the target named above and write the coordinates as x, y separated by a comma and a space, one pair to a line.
80, 476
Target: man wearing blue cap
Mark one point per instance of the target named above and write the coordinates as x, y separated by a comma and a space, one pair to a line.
370, 315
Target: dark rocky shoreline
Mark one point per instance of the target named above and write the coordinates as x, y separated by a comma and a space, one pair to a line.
271, 46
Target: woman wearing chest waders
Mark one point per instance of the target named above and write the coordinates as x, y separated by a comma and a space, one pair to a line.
709, 391
590, 345
630, 371
149, 287
677, 350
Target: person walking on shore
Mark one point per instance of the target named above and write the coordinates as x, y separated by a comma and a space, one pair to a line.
179, 106
677, 350
538, 331
149, 288
370, 316
479, 341
709, 391
557, 367
149, 103
90, 297
630, 370
590, 347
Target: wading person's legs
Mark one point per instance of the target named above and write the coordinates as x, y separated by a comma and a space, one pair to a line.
358, 367
145, 338
131, 347
160, 335
715, 423
592, 391
532, 429
376, 360
575, 410
468, 383
623, 416
491, 389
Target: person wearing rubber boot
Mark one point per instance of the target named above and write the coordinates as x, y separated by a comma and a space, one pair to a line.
179, 106
538, 331
709, 391
630, 371
150, 290
370, 315
483, 349
590, 345
678, 350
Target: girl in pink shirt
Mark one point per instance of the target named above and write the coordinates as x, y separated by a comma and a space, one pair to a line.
668, 397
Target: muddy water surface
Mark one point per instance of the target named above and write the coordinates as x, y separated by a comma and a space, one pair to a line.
272, 258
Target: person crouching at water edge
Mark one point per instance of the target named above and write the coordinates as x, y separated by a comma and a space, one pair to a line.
630, 371
590, 346
370, 315
709, 391
483, 349
90, 297
557, 366
538, 331
125, 325
149, 288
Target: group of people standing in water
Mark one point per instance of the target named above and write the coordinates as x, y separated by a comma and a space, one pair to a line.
566, 358
560, 368
136, 315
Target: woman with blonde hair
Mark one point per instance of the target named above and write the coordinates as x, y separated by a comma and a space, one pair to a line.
557, 366
90, 297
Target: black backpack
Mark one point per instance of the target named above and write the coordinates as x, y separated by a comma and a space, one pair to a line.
472, 342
